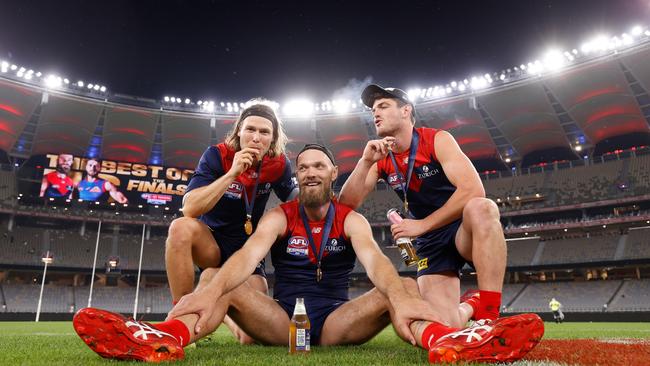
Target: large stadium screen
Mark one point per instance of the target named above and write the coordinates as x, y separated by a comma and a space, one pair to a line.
71, 177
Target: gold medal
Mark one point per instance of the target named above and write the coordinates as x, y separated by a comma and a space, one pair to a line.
406, 207
248, 226
319, 274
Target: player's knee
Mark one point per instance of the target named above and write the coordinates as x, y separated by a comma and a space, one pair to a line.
481, 211
208, 274
181, 232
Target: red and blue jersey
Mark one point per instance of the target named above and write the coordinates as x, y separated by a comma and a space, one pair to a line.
91, 191
295, 262
228, 215
429, 188
59, 186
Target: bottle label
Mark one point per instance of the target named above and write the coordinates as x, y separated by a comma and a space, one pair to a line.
302, 340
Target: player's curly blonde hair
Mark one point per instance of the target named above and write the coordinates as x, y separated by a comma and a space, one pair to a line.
262, 108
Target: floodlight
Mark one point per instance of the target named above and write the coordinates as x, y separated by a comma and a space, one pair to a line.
187, 100
80, 84
102, 89
66, 81
90, 86
14, 67
554, 60
53, 81
96, 87
166, 99
298, 107
4, 66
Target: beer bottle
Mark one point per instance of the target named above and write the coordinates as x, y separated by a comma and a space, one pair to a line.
299, 329
404, 244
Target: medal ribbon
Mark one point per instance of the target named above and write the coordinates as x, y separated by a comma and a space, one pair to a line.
411, 162
249, 206
329, 219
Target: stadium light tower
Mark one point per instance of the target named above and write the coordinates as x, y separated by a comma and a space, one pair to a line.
47, 259
92, 276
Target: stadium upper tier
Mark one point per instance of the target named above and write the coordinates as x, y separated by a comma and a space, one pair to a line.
571, 109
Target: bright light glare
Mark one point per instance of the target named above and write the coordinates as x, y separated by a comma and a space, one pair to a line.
298, 107
341, 106
554, 60
53, 81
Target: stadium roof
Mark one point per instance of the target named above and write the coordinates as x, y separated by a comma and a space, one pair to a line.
578, 107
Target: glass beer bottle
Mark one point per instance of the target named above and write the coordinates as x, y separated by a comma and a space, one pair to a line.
404, 244
299, 329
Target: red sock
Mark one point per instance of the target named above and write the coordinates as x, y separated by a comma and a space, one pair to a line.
434, 331
489, 305
177, 329
475, 303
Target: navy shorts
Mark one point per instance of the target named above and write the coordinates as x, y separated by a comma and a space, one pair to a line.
228, 247
318, 309
437, 251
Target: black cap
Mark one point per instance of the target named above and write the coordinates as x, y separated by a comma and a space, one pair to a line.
320, 147
373, 92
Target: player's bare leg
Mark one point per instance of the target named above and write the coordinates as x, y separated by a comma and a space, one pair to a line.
360, 319
258, 283
255, 311
480, 240
189, 242
442, 291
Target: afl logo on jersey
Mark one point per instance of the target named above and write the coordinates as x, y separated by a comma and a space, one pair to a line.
297, 246
234, 190
394, 181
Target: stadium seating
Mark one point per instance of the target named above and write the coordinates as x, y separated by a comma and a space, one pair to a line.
575, 296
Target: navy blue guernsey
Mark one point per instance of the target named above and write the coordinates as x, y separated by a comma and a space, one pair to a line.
228, 215
429, 188
295, 263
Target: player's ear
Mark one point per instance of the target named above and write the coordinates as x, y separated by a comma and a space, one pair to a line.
335, 173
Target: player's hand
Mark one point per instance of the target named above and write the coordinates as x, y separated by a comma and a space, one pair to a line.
198, 302
244, 159
376, 150
409, 309
408, 228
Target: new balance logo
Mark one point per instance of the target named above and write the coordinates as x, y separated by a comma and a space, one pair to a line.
145, 330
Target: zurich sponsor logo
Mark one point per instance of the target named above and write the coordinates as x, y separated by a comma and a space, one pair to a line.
426, 172
297, 246
265, 189
334, 247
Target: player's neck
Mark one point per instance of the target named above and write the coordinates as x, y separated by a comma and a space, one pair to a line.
403, 139
317, 213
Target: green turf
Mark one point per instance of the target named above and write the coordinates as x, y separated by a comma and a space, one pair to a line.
55, 343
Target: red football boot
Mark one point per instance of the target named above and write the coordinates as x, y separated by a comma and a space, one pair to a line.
111, 335
502, 340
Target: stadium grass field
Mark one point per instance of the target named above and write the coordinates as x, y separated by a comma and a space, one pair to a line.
56, 343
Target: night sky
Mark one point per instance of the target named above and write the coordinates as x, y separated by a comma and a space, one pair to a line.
221, 51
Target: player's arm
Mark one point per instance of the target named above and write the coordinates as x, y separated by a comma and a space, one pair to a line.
383, 275
235, 271
44, 185
364, 177
202, 199
461, 173
115, 194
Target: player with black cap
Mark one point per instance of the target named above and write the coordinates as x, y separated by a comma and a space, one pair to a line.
448, 216
314, 243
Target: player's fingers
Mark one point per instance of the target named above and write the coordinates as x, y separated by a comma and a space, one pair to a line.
406, 332
200, 324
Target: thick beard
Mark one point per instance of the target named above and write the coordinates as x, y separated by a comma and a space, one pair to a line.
315, 199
